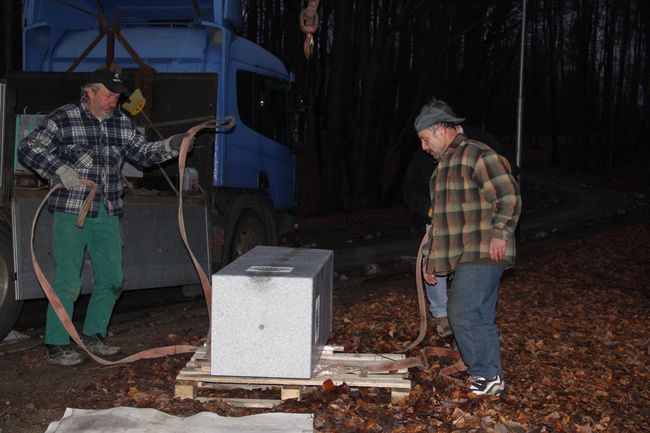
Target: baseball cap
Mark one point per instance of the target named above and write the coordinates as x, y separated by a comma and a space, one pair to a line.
430, 115
110, 79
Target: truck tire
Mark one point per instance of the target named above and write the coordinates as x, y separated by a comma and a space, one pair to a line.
249, 221
9, 306
249, 232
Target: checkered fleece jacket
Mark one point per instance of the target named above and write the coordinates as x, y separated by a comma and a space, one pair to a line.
474, 198
95, 149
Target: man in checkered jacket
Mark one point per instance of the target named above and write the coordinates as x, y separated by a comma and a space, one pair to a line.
88, 140
475, 209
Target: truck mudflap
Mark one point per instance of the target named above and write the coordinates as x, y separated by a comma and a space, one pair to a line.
154, 254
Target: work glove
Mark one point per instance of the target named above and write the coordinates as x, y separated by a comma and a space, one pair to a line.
174, 142
68, 177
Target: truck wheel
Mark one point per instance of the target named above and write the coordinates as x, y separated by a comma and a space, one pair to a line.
248, 233
9, 306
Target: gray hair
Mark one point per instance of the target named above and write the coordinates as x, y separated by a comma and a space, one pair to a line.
89, 86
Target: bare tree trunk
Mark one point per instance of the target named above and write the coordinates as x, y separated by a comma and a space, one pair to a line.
553, 17
535, 83
291, 48
645, 106
375, 56
356, 162
377, 61
619, 127
631, 111
338, 130
607, 115
584, 34
252, 21
469, 56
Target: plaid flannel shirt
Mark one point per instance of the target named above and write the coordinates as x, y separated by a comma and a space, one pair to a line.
95, 149
474, 198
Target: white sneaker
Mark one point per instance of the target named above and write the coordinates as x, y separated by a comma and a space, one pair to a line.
482, 386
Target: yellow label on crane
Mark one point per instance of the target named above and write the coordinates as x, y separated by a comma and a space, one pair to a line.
135, 103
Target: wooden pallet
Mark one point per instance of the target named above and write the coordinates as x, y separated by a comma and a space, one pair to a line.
196, 377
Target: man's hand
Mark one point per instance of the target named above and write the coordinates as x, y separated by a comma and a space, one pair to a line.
69, 178
498, 249
429, 278
174, 142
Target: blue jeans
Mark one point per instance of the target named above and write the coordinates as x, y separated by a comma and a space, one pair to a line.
472, 313
437, 295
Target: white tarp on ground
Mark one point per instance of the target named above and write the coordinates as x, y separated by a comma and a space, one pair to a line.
14, 337
133, 420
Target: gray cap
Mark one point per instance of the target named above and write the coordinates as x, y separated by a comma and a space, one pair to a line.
430, 115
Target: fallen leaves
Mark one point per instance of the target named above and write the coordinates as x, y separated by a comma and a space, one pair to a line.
574, 349
575, 345
328, 385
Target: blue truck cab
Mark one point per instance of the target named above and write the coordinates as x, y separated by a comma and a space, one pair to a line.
190, 64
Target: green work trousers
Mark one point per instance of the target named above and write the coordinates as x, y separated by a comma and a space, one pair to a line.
101, 237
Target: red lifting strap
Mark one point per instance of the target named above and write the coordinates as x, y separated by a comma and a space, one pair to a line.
54, 299
419, 361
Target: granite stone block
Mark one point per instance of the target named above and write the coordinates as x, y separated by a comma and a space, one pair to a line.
271, 313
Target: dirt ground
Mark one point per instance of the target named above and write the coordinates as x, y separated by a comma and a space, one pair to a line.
575, 347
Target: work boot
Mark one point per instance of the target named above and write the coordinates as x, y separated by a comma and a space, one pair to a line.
442, 327
97, 345
63, 354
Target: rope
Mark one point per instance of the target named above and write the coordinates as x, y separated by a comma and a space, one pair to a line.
62, 314
422, 304
420, 360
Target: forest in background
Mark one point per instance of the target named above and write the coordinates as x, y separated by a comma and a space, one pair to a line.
376, 62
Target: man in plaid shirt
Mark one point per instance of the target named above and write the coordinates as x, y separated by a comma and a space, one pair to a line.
88, 140
475, 209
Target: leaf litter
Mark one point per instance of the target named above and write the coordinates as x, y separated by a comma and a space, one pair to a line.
575, 347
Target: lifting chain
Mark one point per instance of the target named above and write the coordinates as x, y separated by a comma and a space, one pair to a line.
309, 24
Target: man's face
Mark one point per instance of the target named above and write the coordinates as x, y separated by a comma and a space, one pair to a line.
101, 102
433, 141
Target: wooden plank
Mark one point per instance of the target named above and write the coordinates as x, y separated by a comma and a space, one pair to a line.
185, 390
362, 357
199, 360
378, 381
288, 392
329, 348
396, 394
250, 403
201, 355
231, 386
196, 376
